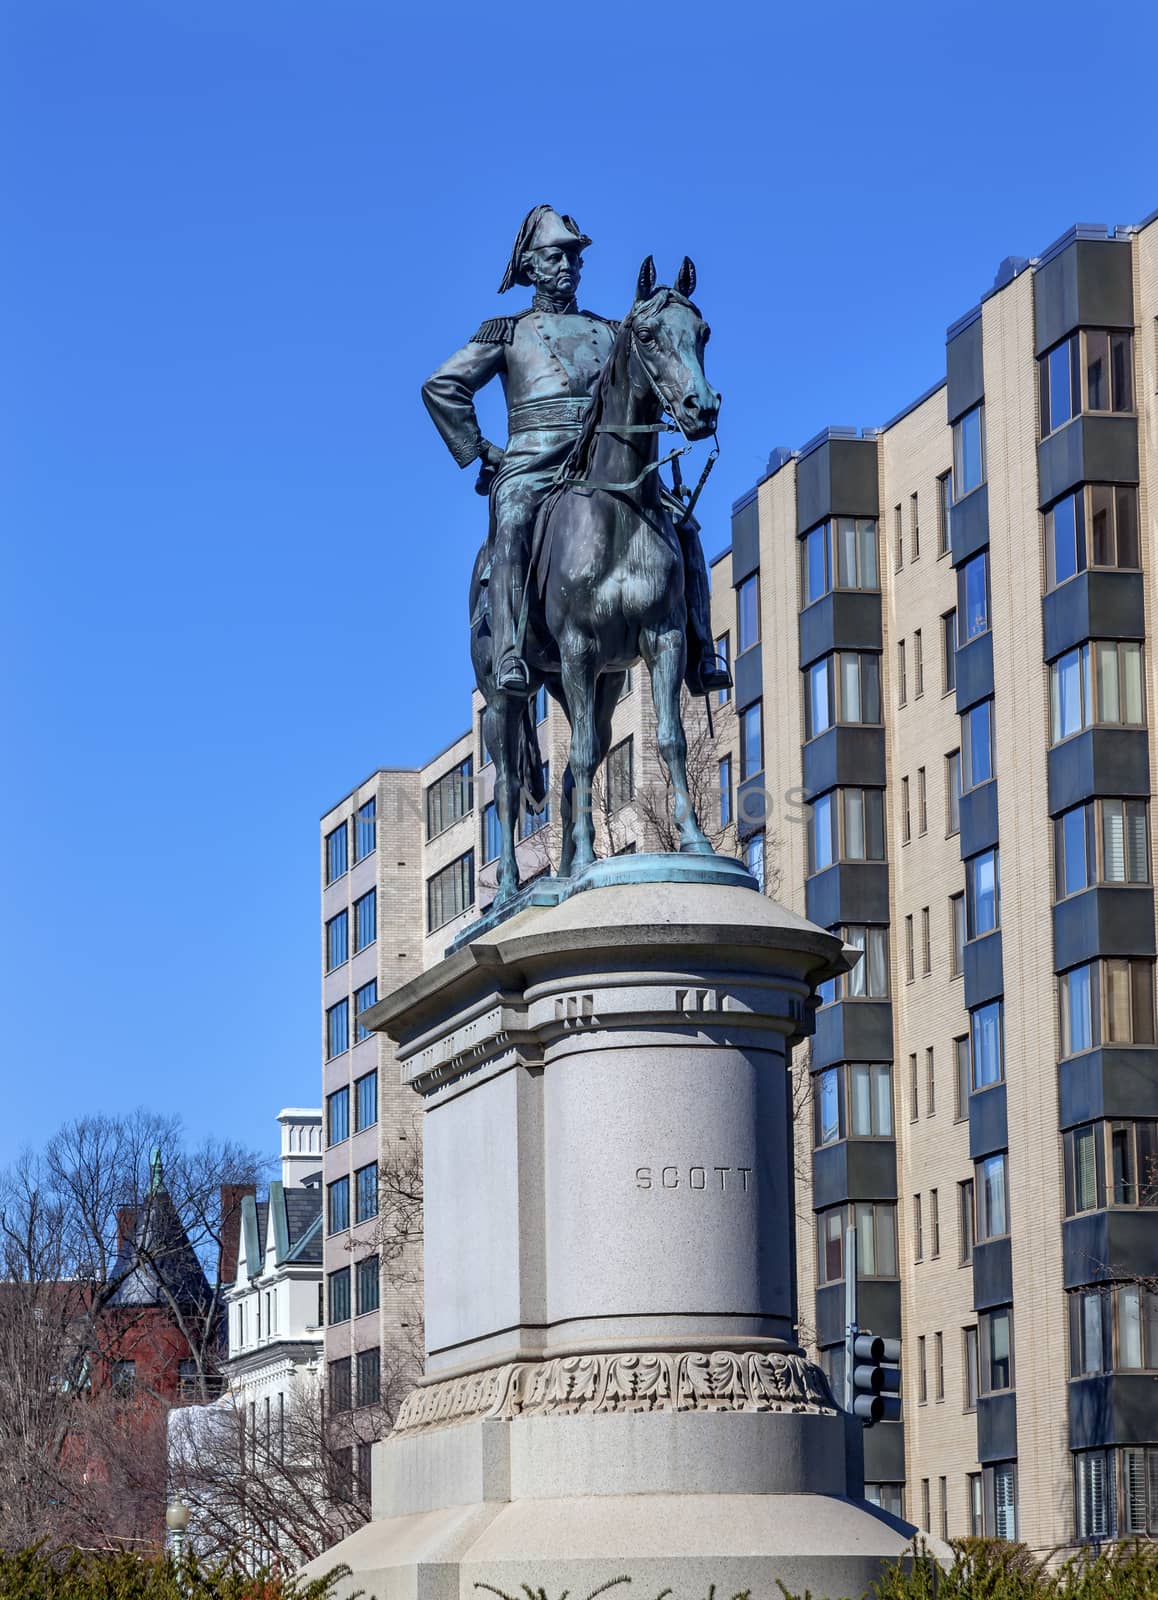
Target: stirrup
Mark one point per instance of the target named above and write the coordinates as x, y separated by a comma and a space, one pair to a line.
713, 673
512, 676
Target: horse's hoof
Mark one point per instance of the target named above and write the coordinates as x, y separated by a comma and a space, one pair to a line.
697, 847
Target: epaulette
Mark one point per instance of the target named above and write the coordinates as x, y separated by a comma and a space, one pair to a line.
497, 330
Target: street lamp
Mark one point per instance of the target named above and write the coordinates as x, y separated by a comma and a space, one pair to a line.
177, 1520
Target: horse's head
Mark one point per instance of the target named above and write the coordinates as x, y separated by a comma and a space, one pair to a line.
668, 336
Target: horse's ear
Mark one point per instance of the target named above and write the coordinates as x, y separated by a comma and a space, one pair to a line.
686, 282
645, 283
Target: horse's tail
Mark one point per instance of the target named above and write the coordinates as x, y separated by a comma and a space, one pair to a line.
529, 758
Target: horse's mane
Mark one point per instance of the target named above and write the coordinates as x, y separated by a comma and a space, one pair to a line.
578, 462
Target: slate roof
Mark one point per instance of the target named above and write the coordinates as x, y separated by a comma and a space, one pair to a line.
303, 1210
157, 1265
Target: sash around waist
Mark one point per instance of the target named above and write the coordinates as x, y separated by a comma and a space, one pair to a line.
568, 411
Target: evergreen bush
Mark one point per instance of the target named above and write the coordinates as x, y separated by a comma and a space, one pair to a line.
43, 1574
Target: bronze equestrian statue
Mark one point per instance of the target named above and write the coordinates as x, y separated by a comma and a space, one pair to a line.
619, 568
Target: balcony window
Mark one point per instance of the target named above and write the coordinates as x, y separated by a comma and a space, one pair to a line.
1102, 841
337, 1116
337, 1029
969, 452
1110, 1001
366, 1100
337, 940
336, 857
990, 1192
1113, 1328
988, 1065
1111, 1163
1095, 526
747, 613
364, 998
365, 829
876, 1240
854, 1099
977, 763
996, 1339
844, 687
1091, 371
450, 892
973, 598
846, 825
751, 741
982, 894
365, 920
869, 978
839, 554
450, 798
1096, 683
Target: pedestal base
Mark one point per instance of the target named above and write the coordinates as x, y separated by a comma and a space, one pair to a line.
671, 1500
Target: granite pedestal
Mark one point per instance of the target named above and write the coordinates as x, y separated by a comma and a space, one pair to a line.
612, 1385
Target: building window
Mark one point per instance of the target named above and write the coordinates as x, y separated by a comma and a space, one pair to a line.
902, 678
1094, 526
846, 825
364, 998
854, 1098
914, 1088
123, 1379
338, 1205
939, 1381
876, 1237
1097, 683
926, 949
365, 920
365, 829
534, 821
992, 1214
751, 741
918, 1242
944, 502
337, 1029
542, 702
366, 1285
985, 1031
966, 1220
362, 1486
1110, 1001
337, 940
485, 757
336, 844
969, 452
930, 1085
976, 1505
754, 858
898, 540
914, 527
918, 666
724, 654
450, 892
982, 894
449, 798
995, 1336
922, 1399
1113, 1328
337, 1116
492, 835
839, 554
949, 651
888, 1496
844, 687
961, 1070
725, 791
952, 793
1090, 371
620, 774
956, 935
339, 1296
366, 1100
972, 599
366, 1192
970, 1366
910, 969
747, 613
922, 802
906, 824
369, 1377
869, 978
1111, 1164
935, 1227
942, 1498
341, 1398
1102, 841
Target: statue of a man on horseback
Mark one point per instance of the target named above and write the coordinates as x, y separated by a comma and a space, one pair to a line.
618, 568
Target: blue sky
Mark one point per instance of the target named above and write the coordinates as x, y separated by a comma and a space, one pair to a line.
233, 240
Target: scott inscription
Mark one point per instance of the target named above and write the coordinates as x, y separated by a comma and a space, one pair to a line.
726, 1180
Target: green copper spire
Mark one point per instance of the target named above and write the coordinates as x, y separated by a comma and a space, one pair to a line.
156, 1173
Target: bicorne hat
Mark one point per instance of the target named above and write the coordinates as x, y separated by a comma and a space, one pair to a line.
542, 226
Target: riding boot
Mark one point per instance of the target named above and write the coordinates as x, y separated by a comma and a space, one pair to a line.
706, 670
510, 670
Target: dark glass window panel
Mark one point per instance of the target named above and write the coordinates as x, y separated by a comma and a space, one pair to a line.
814, 564
751, 752
1097, 370
1102, 525
1122, 370
1126, 522
747, 613
973, 598
985, 1028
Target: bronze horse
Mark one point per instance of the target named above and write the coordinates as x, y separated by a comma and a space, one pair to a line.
607, 580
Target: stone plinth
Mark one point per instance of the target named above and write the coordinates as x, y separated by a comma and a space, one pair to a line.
612, 1384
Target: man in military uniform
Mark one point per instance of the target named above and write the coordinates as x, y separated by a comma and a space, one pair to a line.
548, 359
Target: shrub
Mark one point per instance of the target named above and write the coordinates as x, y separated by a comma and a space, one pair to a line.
43, 1574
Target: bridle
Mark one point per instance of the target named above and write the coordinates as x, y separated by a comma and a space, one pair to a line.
667, 409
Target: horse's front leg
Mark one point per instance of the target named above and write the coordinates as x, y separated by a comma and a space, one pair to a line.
500, 732
578, 675
665, 651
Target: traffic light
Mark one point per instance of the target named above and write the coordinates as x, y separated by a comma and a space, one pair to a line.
876, 1378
